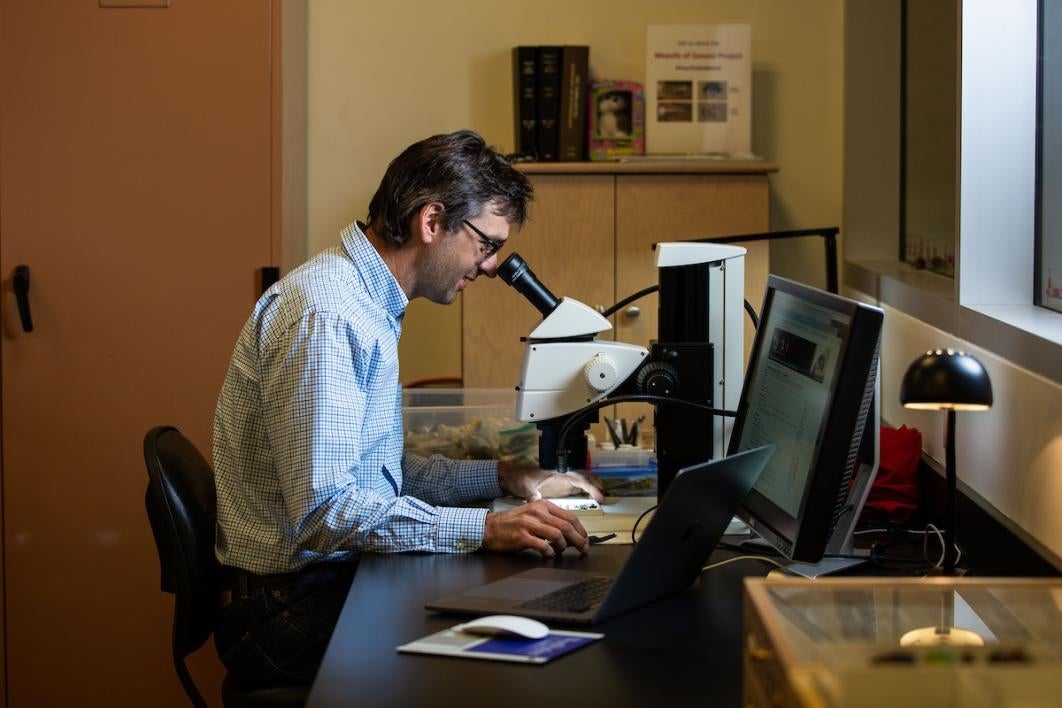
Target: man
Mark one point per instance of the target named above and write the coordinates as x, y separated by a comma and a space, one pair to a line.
308, 458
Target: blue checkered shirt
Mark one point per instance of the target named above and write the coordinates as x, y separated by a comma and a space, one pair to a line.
308, 432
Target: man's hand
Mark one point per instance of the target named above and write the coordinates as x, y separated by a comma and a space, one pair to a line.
532, 483
540, 526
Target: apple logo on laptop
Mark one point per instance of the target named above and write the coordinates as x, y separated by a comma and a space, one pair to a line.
689, 531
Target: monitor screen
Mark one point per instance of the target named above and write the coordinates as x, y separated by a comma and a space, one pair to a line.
808, 389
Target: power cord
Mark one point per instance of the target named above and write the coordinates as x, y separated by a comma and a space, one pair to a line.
634, 529
765, 559
930, 529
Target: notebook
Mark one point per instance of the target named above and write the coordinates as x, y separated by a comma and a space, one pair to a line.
688, 523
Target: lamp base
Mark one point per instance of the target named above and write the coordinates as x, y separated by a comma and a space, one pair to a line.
941, 636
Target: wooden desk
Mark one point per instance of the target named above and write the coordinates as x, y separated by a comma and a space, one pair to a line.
682, 650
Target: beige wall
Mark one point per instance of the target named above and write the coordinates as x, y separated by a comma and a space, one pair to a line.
383, 75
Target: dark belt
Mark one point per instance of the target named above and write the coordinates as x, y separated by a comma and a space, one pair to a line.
230, 577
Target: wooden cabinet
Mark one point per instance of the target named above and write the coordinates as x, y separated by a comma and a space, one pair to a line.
569, 244
590, 237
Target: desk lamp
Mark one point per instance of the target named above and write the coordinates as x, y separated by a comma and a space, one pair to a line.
950, 380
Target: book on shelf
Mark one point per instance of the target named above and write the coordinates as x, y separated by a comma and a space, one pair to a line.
525, 100
698, 89
574, 86
548, 88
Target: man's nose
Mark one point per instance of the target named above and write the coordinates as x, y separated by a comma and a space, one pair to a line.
489, 267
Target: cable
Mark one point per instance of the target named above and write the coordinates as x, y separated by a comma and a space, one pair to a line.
653, 288
634, 529
765, 559
752, 315
629, 299
896, 529
562, 436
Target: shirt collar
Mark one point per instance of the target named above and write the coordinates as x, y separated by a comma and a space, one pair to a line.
378, 278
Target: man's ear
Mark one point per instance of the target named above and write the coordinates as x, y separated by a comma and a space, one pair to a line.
428, 222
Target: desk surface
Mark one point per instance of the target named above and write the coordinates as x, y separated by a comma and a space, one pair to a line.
682, 650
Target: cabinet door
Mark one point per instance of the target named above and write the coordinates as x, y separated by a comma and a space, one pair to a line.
136, 184
655, 208
568, 243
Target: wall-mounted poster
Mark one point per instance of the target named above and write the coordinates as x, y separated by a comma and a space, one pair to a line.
698, 90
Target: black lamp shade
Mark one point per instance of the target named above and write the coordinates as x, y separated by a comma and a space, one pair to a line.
946, 378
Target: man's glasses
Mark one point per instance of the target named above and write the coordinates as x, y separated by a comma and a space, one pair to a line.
490, 246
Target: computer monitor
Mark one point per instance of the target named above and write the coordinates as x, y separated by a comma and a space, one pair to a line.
810, 389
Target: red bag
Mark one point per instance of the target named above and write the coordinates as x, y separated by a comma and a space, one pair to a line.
894, 494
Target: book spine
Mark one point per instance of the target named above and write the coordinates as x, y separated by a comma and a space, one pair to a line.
571, 132
549, 60
525, 101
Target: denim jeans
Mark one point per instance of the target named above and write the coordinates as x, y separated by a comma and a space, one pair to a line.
276, 633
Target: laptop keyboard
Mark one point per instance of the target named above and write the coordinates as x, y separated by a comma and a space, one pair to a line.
578, 597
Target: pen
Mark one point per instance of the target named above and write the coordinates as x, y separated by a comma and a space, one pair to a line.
632, 438
611, 426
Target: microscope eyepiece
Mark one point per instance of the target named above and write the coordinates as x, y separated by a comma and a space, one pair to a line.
516, 273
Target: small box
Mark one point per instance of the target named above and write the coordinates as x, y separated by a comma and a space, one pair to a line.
617, 119
467, 424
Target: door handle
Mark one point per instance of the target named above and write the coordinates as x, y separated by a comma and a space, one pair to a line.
633, 311
21, 283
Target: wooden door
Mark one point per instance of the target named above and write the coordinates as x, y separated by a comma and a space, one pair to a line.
655, 208
138, 184
568, 243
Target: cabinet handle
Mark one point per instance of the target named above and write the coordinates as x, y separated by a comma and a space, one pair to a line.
633, 311
22, 284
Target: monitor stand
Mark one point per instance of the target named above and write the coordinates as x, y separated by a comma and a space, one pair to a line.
841, 541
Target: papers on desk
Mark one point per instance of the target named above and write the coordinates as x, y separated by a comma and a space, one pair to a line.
580, 505
529, 651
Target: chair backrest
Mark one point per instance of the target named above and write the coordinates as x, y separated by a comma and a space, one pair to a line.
182, 508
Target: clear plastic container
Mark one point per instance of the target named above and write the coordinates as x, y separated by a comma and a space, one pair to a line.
623, 456
467, 424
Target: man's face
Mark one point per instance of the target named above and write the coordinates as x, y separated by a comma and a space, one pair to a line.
451, 263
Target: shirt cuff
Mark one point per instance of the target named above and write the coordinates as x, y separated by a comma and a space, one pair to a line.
478, 480
459, 530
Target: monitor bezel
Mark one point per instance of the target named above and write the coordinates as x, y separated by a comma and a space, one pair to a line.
805, 537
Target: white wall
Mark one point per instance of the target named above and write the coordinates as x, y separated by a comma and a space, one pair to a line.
383, 75
1010, 455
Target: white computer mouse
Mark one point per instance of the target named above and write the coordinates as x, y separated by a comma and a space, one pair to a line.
505, 626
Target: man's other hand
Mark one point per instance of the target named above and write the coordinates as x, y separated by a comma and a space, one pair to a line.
533, 483
540, 526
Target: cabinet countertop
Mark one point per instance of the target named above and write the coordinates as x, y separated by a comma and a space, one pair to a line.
644, 166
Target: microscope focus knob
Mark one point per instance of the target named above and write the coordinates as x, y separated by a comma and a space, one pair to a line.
658, 378
601, 373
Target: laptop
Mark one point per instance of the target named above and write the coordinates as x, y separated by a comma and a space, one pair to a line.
688, 523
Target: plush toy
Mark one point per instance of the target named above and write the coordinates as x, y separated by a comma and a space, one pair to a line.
617, 119
613, 115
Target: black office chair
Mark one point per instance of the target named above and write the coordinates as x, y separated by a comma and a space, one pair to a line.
182, 508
